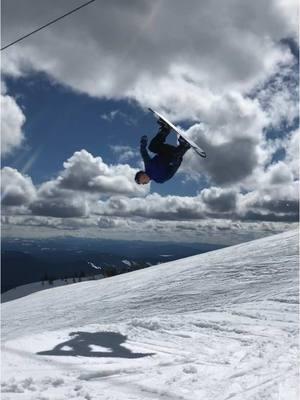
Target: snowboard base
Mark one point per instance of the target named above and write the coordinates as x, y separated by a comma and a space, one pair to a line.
179, 132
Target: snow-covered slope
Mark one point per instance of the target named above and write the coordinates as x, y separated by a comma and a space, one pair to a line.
222, 325
25, 290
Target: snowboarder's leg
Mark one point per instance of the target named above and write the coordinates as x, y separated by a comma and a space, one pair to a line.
167, 150
181, 149
158, 142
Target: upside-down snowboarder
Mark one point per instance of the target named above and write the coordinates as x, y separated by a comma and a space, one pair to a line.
167, 160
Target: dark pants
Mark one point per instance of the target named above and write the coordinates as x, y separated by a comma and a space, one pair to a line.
158, 146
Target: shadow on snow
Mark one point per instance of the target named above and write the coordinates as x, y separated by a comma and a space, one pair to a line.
85, 344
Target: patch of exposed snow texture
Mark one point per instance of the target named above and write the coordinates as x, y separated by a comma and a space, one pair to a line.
218, 326
93, 265
25, 290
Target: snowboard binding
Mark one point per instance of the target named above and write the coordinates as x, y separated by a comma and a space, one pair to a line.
163, 126
183, 142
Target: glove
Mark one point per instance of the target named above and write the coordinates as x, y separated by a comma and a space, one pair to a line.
144, 141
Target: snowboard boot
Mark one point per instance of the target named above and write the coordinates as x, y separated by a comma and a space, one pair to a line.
183, 143
163, 127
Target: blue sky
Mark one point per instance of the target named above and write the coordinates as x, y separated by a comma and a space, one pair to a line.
74, 106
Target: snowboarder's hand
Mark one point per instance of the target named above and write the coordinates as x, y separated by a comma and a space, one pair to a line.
144, 141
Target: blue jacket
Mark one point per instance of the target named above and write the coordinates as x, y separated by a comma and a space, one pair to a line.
159, 168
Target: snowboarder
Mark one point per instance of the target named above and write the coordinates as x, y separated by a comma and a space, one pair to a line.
167, 160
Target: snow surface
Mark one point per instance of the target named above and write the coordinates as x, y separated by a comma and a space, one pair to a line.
93, 265
218, 326
126, 262
29, 288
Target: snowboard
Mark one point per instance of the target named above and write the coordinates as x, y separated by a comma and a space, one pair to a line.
179, 132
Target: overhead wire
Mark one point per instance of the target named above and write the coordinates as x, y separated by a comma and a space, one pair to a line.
48, 24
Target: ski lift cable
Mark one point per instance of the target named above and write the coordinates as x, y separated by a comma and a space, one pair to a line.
49, 23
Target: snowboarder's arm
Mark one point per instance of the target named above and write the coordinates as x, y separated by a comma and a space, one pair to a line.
145, 155
143, 150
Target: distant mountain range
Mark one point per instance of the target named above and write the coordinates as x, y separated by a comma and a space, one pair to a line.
25, 261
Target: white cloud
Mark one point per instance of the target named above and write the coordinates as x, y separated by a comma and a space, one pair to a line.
109, 223
124, 153
129, 49
273, 202
153, 206
219, 200
279, 97
3, 87
84, 180
84, 172
227, 163
278, 174
292, 152
56, 202
17, 190
12, 121
110, 116
275, 197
